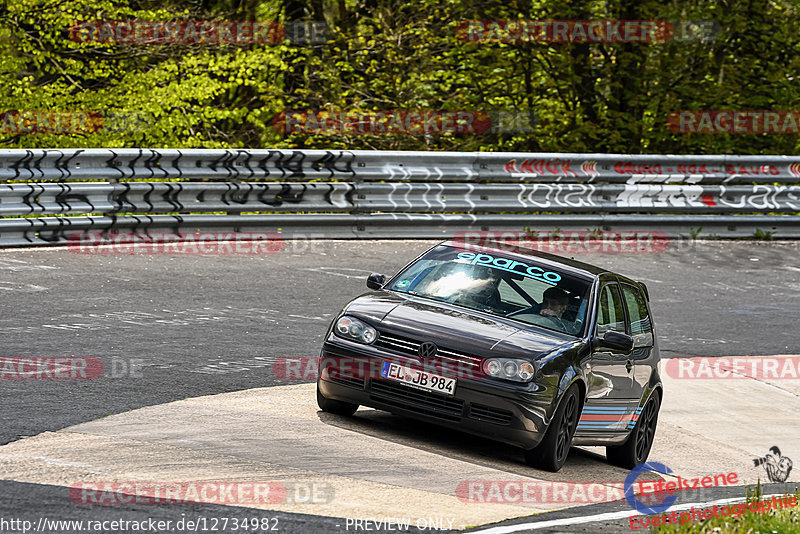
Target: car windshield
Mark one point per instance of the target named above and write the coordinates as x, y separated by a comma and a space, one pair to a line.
491, 282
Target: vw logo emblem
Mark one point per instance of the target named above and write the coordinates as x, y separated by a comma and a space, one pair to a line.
427, 350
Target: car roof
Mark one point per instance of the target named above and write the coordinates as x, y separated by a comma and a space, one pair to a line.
574, 267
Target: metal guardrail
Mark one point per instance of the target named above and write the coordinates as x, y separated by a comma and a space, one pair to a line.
306, 165
373, 194
164, 197
362, 197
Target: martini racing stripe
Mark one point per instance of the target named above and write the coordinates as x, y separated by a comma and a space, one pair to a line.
608, 418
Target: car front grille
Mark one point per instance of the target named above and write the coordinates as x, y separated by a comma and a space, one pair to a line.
489, 414
357, 383
409, 347
417, 400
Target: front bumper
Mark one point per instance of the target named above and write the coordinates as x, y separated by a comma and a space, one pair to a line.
517, 414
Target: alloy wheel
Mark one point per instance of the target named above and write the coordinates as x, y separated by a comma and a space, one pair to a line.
647, 429
567, 428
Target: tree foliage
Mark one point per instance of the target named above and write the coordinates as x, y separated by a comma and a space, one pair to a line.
386, 55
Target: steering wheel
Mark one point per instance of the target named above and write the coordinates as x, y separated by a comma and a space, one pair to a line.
558, 323
529, 309
469, 299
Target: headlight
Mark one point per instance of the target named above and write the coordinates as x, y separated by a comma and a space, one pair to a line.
355, 330
510, 369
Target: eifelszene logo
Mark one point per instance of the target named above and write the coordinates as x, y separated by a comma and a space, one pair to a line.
630, 480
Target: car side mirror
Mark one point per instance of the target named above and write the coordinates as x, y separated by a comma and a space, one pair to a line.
617, 341
376, 281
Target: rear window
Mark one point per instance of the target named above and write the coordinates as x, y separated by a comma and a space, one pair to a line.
641, 326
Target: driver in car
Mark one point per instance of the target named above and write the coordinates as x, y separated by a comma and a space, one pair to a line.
554, 304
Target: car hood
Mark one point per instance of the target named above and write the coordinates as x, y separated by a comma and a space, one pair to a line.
454, 327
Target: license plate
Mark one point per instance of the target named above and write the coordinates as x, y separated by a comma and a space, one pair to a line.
419, 379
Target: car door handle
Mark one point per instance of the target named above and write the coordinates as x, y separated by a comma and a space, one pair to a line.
629, 365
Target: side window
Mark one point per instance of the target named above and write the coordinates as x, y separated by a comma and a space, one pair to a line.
610, 316
639, 318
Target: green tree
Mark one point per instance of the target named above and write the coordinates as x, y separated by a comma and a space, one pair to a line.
385, 55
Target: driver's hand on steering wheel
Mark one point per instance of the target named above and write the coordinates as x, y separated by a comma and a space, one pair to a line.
557, 321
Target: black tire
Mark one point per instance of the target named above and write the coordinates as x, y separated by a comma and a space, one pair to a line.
335, 406
552, 452
637, 447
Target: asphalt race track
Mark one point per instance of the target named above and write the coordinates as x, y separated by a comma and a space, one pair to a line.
175, 327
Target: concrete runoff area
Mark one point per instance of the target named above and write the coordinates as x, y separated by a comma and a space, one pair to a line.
376, 465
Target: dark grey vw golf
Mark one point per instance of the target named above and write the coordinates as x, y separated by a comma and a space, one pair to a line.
523, 347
